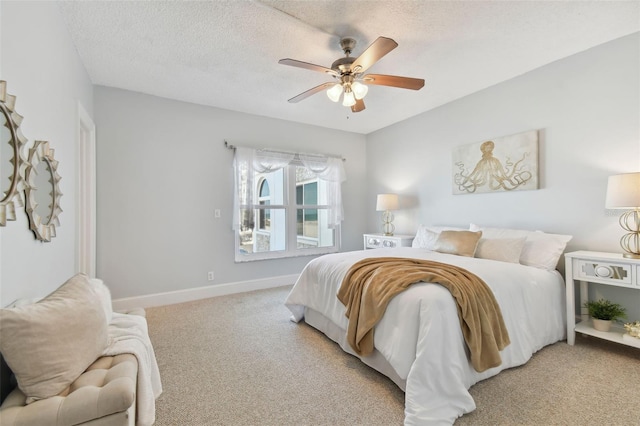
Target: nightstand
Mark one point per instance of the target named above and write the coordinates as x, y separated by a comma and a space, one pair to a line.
603, 268
372, 241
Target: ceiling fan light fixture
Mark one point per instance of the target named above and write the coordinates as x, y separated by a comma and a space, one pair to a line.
348, 69
359, 90
334, 92
349, 98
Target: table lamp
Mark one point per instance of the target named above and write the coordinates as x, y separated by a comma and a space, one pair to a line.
386, 203
623, 192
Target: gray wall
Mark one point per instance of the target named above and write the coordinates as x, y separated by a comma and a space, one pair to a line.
162, 167
163, 170
587, 109
43, 70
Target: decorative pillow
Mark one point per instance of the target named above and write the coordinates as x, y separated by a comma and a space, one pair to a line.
50, 343
426, 236
541, 250
461, 243
502, 249
103, 293
22, 302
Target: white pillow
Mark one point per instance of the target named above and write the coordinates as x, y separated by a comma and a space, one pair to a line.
104, 295
426, 236
544, 250
102, 291
540, 250
50, 343
22, 302
501, 249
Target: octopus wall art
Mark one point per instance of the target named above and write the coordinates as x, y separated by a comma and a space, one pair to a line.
508, 163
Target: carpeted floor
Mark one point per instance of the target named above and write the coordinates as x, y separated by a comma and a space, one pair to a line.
239, 360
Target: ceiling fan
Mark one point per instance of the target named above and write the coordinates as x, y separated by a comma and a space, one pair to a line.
352, 84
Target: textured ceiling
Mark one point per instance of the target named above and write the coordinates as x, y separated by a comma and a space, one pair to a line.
225, 53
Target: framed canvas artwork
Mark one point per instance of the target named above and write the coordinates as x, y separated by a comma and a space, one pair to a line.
507, 163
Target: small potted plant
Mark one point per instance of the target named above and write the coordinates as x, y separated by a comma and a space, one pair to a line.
604, 312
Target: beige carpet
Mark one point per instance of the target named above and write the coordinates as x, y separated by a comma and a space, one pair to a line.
239, 360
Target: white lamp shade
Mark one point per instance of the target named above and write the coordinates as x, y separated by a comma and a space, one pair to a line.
334, 92
387, 202
348, 99
623, 191
359, 90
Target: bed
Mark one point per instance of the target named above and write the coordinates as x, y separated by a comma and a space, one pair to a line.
418, 342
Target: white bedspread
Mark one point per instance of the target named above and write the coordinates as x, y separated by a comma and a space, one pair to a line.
420, 335
128, 334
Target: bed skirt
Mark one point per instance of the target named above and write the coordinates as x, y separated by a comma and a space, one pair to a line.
375, 360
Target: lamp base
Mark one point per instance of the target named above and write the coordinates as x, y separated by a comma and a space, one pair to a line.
631, 255
630, 242
387, 226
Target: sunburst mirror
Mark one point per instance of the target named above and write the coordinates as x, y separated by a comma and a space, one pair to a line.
42, 192
12, 164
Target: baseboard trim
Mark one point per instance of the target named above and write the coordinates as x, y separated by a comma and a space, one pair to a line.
188, 295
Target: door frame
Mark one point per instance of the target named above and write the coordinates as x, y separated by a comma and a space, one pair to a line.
86, 190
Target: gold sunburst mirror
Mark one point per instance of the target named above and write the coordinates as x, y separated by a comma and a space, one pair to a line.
12, 164
42, 192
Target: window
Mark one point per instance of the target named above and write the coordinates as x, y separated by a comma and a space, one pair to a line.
307, 219
264, 200
286, 204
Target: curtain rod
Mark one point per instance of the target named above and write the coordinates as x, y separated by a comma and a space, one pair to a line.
233, 147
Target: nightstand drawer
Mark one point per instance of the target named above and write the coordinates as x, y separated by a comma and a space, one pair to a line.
604, 272
377, 242
373, 241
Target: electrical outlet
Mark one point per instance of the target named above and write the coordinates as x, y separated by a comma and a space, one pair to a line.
210, 276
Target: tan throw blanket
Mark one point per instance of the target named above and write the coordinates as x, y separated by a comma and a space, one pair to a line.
371, 283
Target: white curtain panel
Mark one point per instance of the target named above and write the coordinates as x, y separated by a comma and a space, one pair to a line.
249, 161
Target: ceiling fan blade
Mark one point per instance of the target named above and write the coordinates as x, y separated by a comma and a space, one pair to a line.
394, 81
310, 92
372, 54
308, 66
358, 106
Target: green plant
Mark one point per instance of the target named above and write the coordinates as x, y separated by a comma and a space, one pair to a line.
605, 310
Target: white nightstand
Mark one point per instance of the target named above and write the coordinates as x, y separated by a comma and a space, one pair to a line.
372, 241
603, 268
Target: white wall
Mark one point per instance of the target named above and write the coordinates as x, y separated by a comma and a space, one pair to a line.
163, 170
587, 109
42, 69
